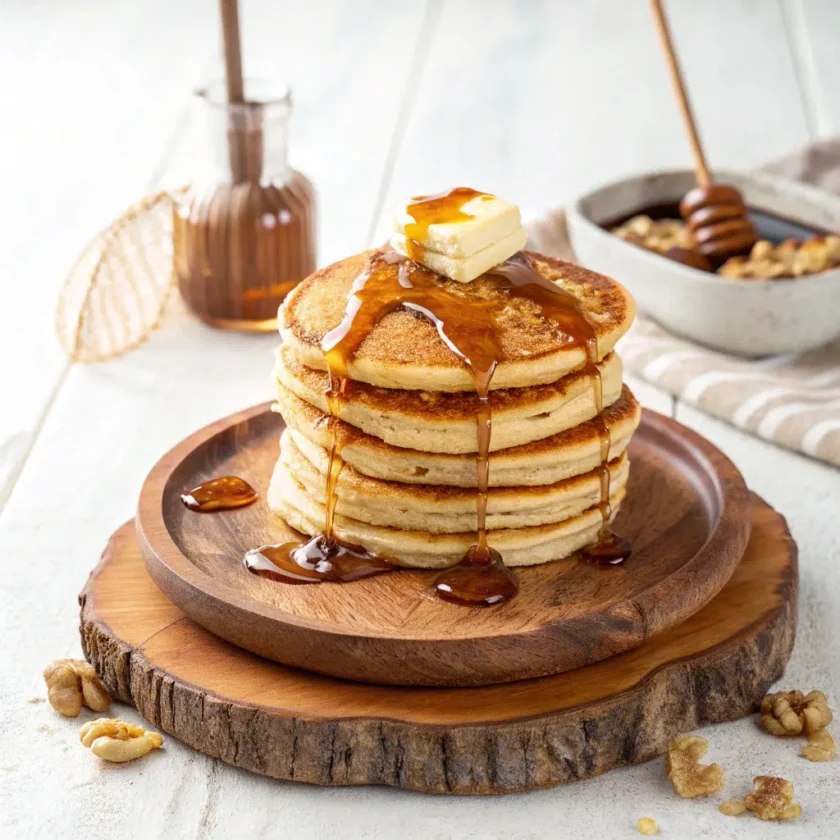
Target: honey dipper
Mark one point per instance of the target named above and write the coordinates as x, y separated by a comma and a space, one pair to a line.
715, 213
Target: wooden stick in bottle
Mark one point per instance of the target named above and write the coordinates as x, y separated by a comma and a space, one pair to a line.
235, 88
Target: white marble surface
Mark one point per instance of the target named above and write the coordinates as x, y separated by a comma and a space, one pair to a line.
533, 100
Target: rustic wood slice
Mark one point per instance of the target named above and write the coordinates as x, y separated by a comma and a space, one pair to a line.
293, 724
686, 514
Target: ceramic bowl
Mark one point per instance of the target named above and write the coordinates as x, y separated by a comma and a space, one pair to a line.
750, 318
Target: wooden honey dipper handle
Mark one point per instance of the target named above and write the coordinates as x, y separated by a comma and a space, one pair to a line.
701, 168
715, 213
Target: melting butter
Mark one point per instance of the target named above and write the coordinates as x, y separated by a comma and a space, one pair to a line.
461, 234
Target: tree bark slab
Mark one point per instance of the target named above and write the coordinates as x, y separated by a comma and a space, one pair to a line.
292, 724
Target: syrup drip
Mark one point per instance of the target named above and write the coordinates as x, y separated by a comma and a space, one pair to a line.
223, 493
610, 550
564, 311
324, 557
315, 561
336, 390
481, 579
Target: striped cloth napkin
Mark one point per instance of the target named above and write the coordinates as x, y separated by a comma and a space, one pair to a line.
793, 401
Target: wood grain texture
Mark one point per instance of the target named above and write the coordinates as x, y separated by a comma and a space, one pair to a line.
685, 513
291, 724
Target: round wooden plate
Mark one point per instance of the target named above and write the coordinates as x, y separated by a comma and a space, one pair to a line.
686, 514
292, 724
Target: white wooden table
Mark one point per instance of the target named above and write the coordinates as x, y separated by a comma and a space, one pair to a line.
533, 100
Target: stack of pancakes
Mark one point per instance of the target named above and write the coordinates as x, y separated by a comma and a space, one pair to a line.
405, 425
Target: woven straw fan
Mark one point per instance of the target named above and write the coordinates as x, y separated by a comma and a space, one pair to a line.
115, 294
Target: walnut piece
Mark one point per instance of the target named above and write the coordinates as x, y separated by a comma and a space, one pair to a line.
71, 682
647, 826
732, 808
687, 775
772, 799
820, 747
792, 712
113, 739
655, 234
791, 258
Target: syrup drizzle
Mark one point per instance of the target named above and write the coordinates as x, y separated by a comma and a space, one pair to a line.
468, 328
224, 493
324, 557
609, 550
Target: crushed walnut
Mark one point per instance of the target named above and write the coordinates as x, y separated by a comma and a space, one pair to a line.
655, 234
647, 826
791, 258
772, 799
733, 808
687, 775
113, 739
820, 747
71, 682
792, 712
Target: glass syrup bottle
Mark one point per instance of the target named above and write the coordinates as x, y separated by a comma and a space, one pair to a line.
244, 230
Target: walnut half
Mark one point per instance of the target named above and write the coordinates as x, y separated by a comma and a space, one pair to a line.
772, 799
71, 682
792, 712
687, 775
113, 739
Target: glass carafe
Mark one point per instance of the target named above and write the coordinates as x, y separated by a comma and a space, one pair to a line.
244, 230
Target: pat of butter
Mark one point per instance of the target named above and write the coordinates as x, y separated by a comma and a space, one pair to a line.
461, 233
464, 269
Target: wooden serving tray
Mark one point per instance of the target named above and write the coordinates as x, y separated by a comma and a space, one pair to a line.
686, 512
292, 724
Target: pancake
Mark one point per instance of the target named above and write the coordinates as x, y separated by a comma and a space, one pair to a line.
405, 351
518, 546
560, 456
444, 510
431, 421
